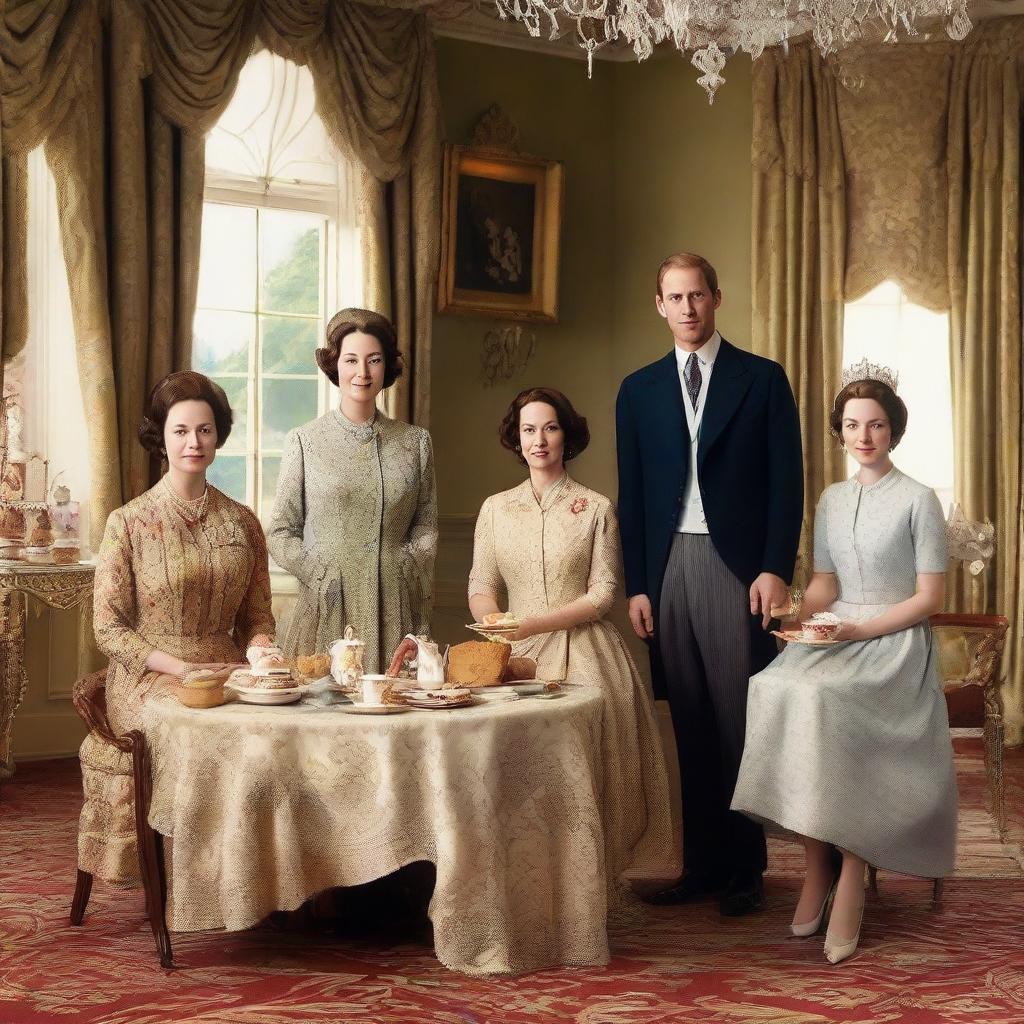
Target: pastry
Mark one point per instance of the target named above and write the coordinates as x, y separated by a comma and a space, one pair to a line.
521, 668
500, 619
313, 666
478, 663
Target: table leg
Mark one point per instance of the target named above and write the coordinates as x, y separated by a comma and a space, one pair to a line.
13, 679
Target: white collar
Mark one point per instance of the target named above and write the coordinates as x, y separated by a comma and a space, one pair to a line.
706, 354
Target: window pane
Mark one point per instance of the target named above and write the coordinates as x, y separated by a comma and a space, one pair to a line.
288, 344
228, 475
290, 265
237, 390
285, 404
221, 341
270, 469
227, 259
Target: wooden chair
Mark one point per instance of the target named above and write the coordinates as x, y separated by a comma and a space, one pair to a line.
970, 648
126, 754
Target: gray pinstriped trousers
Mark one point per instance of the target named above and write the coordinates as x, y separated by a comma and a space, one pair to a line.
705, 638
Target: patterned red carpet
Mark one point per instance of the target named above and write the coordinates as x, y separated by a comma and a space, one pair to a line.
964, 965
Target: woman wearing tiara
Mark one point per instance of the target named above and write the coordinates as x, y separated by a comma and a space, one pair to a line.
848, 745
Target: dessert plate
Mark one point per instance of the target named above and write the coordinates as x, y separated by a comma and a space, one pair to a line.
522, 687
796, 637
492, 632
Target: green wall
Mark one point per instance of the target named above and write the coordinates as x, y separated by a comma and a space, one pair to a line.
650, 168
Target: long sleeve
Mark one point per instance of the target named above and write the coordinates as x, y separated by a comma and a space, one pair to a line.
631, 497
605, 564
485, 576
422, 543
114, 609
255, 614
285, 536
785, 481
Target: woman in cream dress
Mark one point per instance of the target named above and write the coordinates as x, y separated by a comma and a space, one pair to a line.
182, 583
848, 746
552, 546
355, 520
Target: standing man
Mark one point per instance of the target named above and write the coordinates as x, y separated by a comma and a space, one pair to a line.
710, 508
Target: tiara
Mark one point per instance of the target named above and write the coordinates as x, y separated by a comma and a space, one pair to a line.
870, 371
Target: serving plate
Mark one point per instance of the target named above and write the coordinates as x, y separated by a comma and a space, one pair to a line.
258, 695
521, 687
493, 632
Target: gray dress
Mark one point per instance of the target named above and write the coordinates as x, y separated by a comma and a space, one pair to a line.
850, 744
355, 521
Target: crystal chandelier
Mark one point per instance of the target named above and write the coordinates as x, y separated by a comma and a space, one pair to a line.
713, 29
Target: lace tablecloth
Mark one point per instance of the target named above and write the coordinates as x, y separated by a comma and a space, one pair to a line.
268, 805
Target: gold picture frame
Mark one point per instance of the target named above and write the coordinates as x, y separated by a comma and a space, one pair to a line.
500, 235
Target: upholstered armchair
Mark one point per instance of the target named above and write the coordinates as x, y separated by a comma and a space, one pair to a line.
115, 841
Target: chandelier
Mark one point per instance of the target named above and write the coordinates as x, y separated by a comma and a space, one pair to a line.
715, 29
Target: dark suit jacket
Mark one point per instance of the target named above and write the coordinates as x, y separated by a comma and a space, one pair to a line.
748, 458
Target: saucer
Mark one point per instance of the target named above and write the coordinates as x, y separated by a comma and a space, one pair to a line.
259, 695
798, 638
372, 709
521, 687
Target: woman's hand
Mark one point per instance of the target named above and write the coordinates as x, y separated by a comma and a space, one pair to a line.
848, 631
527, 628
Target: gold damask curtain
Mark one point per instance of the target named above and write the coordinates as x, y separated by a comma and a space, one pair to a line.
122, 91
799, 242
984, 258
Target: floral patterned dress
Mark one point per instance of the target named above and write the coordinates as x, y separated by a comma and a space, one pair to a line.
545, 555
198, 590
355, 521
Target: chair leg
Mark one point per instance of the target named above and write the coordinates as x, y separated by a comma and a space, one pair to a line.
151, 862
937, 887
83, 887
873, 879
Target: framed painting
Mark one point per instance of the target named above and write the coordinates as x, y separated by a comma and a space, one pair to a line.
500, 233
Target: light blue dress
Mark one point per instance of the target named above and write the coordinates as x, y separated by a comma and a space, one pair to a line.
850, 744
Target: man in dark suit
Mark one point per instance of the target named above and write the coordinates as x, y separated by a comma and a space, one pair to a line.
710, 507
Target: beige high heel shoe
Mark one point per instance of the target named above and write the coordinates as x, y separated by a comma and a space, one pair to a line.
837, 951
803, 931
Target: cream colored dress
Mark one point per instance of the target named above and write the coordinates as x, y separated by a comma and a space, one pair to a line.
355, 521
196, 590
545, 555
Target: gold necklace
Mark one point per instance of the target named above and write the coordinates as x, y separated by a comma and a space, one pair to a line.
190, 509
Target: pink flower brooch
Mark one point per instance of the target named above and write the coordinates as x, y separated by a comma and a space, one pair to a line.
578, 506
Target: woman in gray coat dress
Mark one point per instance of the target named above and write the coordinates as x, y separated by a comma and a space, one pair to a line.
848, 745
355, 518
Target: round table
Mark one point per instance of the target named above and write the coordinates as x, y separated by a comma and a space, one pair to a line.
268, 805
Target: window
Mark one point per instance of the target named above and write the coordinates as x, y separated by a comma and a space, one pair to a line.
279, 254
885, 327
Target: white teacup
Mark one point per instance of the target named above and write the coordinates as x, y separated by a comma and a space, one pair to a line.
373, 689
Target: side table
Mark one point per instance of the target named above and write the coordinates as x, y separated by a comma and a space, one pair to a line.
58, 586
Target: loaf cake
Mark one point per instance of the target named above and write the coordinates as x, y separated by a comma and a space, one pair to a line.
478, 663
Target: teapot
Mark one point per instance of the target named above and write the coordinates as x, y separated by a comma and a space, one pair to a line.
347, 659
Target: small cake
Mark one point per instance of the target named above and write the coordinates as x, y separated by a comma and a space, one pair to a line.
65, 551
313, 666
503, 619
38, 528
520, 668
478, 663
12, 522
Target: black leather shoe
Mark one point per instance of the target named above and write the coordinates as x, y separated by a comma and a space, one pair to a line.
691, 887
743, 895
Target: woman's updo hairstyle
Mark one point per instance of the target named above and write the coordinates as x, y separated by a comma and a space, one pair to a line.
577, 433
348, 321
184, 386
883, 395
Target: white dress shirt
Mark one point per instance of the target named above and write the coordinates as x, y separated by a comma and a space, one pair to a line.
691, 515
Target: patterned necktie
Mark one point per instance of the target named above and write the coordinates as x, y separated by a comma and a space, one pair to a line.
691, 373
